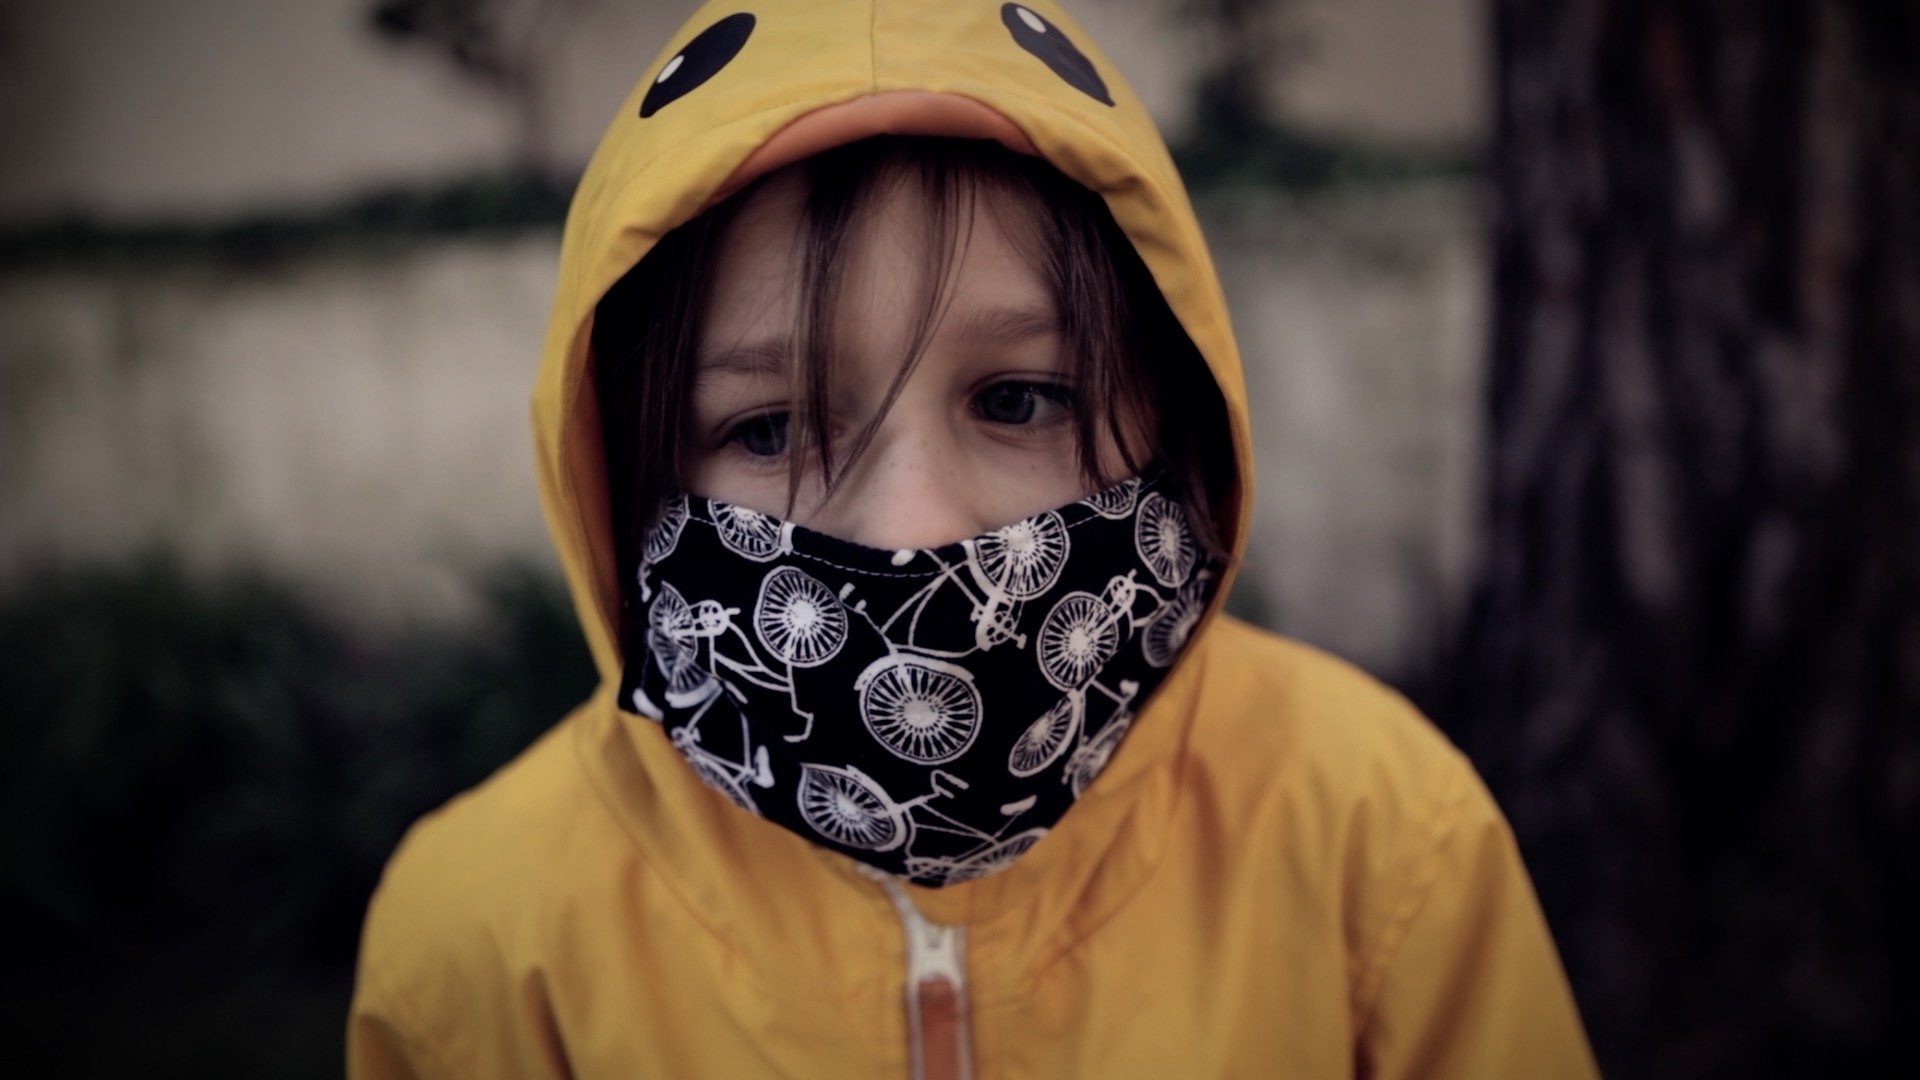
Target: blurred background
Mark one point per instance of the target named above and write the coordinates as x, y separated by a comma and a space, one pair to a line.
1584, 342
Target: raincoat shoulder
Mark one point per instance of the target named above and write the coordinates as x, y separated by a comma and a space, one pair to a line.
1381, 829
1335, 895
462, 958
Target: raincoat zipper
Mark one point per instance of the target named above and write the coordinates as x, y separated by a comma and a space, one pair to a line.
936, 991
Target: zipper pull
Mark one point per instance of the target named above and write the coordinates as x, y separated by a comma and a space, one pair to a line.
936, 990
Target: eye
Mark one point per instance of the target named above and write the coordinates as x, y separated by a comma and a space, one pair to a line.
763, 436
1023, 403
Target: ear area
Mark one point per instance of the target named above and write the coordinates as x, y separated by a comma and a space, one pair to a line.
1040, 37
690, 68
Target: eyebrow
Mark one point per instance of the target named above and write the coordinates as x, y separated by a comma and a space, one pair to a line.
999, 326
1007, 326
770, 357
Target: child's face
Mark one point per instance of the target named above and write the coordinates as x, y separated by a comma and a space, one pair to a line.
981, 434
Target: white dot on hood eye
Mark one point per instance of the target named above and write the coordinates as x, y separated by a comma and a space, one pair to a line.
1028, 17
673, 65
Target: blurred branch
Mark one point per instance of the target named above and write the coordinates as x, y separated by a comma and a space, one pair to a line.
1248, 46
505, 46
1237, 135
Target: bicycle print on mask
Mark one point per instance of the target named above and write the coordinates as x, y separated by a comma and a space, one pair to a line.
931, 712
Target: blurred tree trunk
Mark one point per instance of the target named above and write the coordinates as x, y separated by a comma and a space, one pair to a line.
1692, 668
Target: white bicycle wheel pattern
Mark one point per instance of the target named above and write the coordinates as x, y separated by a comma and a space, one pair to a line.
1046, 738
847, 808
721, 780
998, 857
1090, 760
1169, 629
1078, 637
1164, 540
672, 643
922, 710
749, 533
756, 642
1024, 559
665, 534
799, 619
1115, 502
670, 614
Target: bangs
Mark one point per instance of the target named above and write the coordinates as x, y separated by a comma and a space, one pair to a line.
956, 182
1137, 378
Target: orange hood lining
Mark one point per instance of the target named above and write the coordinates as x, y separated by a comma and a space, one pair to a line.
893, 112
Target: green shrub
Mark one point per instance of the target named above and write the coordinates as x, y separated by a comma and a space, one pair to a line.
206, 770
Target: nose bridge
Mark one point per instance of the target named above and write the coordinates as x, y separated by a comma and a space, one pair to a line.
910, 488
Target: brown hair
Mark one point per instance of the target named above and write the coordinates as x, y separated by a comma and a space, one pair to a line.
1129, 355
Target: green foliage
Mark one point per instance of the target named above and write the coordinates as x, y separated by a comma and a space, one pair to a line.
463, 28
504, 203
1279, 157
209, 772
202, 779
1237, 139
483, 204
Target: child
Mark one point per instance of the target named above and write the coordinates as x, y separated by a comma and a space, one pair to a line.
894, 441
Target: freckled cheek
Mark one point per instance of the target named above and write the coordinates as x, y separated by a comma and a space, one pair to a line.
1026, 483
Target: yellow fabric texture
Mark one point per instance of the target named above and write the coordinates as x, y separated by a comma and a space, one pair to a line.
1285, 871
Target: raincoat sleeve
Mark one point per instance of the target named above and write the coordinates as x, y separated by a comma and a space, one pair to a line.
1467, 982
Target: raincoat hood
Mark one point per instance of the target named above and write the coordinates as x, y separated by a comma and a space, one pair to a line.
748, 86
1283, 870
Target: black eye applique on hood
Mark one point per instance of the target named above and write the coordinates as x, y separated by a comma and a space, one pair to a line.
701, 60
1044, 40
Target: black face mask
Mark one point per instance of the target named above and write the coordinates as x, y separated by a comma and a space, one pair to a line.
928, 712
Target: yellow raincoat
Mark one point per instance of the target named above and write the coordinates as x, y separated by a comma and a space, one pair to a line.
1284, 872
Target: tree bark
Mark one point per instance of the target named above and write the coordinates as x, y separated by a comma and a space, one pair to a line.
1691, 671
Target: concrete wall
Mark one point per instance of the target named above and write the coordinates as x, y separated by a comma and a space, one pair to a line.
355, 424
130, 109
358, 423
1362, 318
